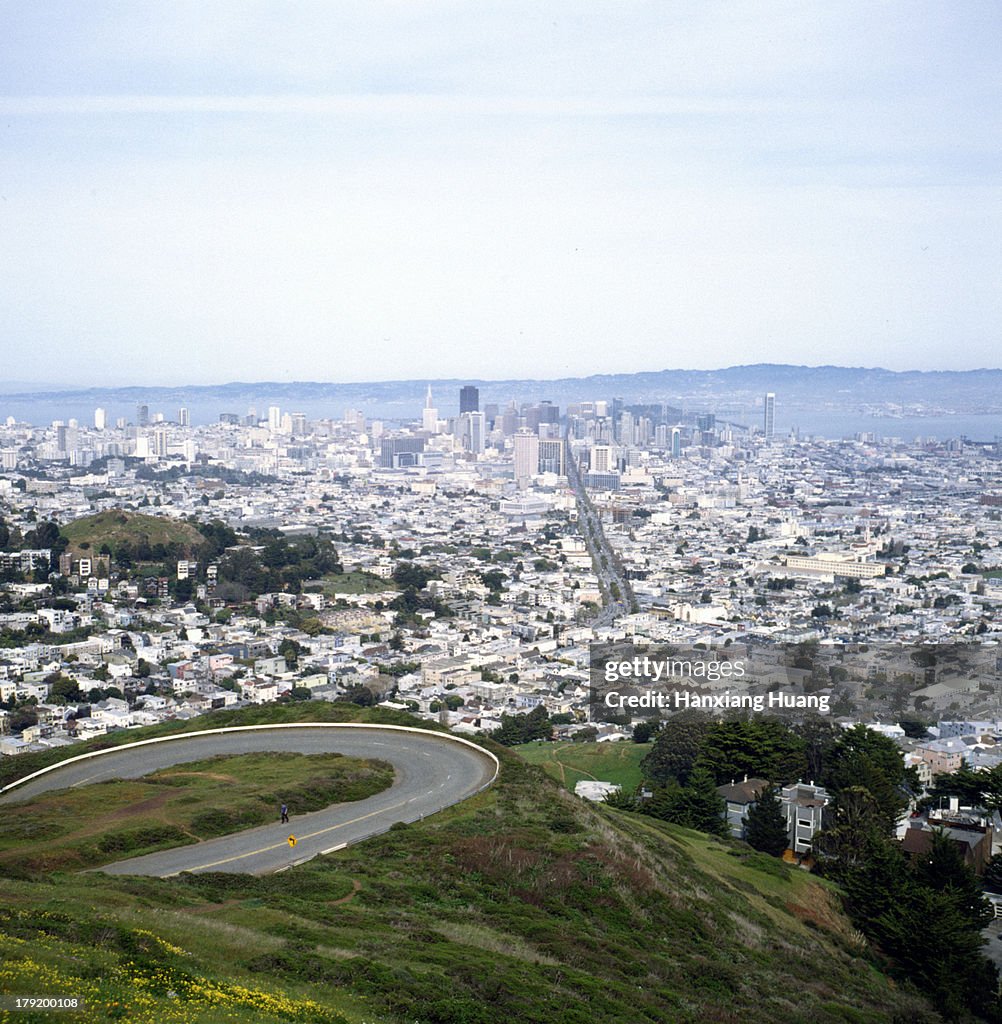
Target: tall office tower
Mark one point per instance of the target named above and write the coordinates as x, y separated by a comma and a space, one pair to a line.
616, 410
429, 415
299, 424
142, 415
469, 399
626, 428
274, 418
548, 412
184, 417
100, 419
676, 442
645, 428
475, 432
509, 420
602, 458
551, 457
769, 415
526, 457
661, 435
707, 422
160, 441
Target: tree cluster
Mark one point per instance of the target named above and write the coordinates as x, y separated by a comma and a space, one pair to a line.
281, 564
517, 729
759, 747
926, 916
697, 804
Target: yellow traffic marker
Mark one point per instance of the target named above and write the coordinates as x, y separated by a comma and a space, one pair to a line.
292, 840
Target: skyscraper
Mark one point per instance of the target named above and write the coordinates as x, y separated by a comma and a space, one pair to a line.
526, 457
602, 458
469, 399
160, 442
429, 414
100, 419
625, 428
551, 457
474, 431
769, 415
184, 417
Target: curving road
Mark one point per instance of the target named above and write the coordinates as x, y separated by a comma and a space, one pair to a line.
432, 771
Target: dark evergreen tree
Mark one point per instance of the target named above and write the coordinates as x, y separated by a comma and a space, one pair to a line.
878, 883
819, 736
864, 759
698, 805
661, 802
676, 748
927, 917
855, 823
936, 946
765, 824
517, 729
763, 748
942, 868
644, 732
992, 878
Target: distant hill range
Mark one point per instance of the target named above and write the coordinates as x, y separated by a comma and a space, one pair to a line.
734, 387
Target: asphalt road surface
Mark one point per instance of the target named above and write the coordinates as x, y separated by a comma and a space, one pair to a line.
431, 772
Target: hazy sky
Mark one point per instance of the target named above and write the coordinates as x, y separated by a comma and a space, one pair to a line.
210, 191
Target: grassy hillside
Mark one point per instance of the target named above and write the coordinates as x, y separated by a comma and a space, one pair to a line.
522, 904
12, 768
569, 763
114, 526
93, 825
354, 583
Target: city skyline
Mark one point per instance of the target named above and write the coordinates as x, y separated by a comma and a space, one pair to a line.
194, 195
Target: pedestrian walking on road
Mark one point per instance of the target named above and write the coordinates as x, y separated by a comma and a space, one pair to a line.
285, 814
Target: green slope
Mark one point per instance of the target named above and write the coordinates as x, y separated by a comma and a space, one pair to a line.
569, 763
522, 904
94, 825
114, 526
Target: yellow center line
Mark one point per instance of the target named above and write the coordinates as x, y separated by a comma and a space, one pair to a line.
310, 835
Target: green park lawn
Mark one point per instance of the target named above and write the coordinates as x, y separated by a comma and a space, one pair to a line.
569, 763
